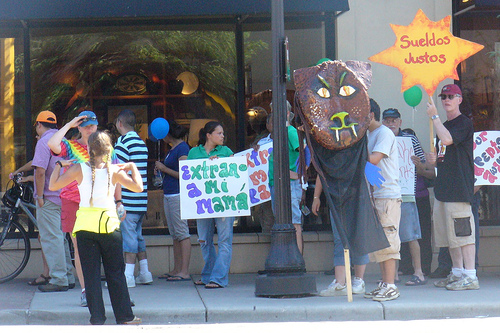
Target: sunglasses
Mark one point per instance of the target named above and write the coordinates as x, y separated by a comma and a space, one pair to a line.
88, 119
450, 97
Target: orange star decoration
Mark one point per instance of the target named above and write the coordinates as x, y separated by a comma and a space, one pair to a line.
426, 53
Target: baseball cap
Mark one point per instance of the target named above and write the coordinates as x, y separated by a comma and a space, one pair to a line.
450, 89
90, 120
391, 113
46, 117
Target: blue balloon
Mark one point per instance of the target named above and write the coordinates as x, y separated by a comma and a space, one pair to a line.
150, 135
159, 128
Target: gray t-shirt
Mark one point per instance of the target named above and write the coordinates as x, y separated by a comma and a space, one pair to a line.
382, 140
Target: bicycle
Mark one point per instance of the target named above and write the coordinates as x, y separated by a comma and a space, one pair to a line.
15, 246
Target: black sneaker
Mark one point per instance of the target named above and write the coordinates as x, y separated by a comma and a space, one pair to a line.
440, 273
52, 287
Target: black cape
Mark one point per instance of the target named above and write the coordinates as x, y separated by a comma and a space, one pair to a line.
342, 173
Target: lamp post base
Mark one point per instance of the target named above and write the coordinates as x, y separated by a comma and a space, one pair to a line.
285, 267
288, 284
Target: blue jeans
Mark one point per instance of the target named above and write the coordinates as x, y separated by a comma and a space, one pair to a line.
217, 265
338, 250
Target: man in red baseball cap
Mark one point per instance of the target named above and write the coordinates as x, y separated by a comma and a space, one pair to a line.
454, 189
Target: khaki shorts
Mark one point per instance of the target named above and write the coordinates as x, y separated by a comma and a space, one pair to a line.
389, 214
453, 224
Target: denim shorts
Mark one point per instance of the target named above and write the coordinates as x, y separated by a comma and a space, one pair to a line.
296, 197
131, 229
409, 226
338, 249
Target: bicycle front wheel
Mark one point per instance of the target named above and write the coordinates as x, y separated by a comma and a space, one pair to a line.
14, 250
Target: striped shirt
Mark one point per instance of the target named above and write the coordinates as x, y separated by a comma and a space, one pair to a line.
131, 148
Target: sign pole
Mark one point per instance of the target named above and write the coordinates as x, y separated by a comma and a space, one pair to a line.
431, 131
347, 262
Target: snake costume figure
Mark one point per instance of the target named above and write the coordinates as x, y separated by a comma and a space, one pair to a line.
334, 108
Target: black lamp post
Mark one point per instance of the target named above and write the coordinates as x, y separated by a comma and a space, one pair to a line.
285, 266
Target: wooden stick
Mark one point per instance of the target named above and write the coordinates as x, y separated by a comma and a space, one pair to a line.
431, 135
431, 131
347, 263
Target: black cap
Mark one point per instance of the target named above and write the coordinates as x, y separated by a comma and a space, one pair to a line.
391, 113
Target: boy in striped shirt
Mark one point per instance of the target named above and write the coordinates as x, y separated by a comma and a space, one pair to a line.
131, 148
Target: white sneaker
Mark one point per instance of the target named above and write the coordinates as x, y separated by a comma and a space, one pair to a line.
358, 285
334, 289
130, 281
144, 278
465, 283
386, 293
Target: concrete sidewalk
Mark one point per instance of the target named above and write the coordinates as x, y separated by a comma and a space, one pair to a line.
182, 302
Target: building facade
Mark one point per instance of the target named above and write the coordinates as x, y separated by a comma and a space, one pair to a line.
213, 62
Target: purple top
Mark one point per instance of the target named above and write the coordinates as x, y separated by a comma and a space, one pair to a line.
44, 159
421, 190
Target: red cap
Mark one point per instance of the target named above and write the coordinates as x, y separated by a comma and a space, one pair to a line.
450, 89
46, 117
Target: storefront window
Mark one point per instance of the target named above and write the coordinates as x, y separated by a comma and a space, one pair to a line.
480, 81
186, 76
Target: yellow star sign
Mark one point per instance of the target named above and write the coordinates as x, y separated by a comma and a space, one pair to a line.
425, 52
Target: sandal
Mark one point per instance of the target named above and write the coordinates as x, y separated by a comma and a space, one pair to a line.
45, 280
415, 281
213, 285
199, 283
165, 276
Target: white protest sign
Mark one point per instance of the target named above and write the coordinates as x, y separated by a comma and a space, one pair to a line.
258, 171
406, 166
214, 188
486, 158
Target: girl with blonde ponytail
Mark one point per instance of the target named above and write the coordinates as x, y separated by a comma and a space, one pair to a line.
97, 225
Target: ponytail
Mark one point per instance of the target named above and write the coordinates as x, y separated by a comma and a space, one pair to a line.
207, 129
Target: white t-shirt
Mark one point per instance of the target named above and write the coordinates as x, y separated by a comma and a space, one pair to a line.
382, 140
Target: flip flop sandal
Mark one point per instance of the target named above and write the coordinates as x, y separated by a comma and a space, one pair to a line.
165, 276
45, 280
213, 285
199, 283
176, 278
415, 281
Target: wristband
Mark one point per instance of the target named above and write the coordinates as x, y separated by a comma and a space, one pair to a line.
117, 201
59, 163
316, 198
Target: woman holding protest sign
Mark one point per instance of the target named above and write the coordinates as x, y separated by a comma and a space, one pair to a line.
215, 273
177, 227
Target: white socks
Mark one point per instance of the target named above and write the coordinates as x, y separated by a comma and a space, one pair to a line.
129, 269
143, 266
458, 272
470, 273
